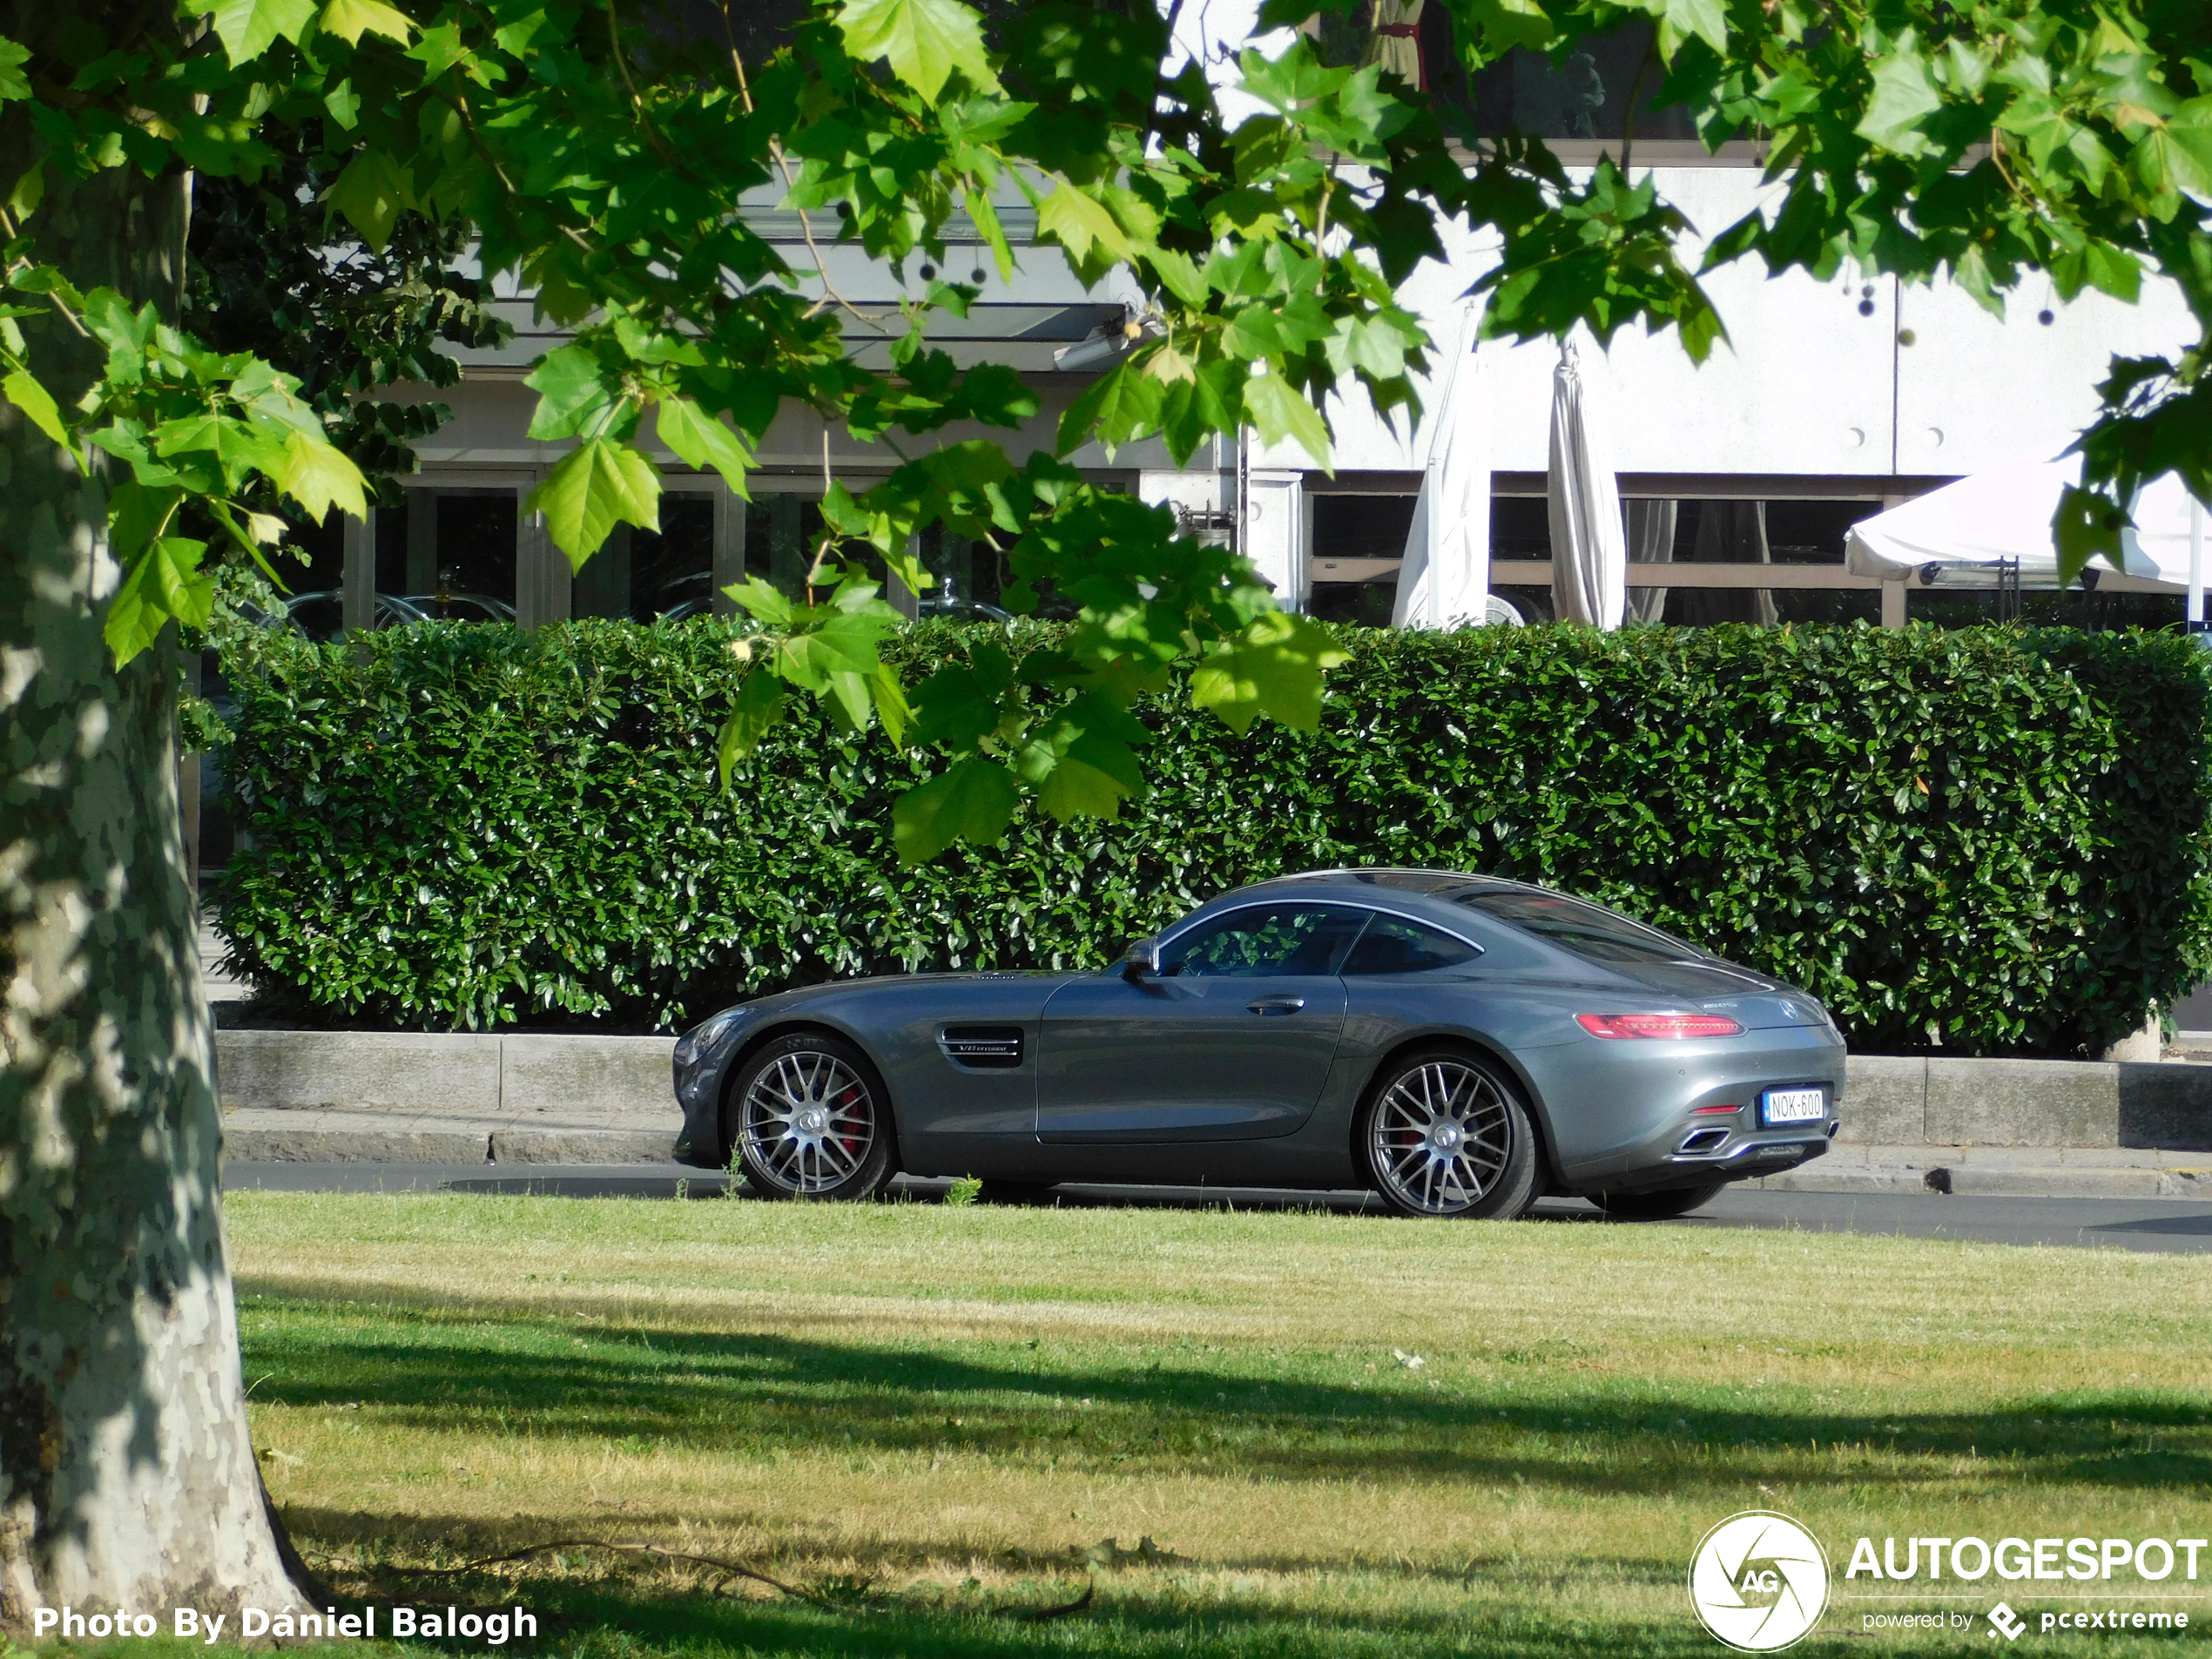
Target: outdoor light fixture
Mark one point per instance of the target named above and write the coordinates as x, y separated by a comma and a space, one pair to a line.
1658, 1025
1090, 353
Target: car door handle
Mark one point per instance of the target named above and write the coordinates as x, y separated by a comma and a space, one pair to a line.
1277, 1005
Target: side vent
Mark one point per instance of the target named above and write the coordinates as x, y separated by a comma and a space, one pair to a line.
982, 1048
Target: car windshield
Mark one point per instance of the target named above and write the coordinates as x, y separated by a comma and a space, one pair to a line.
1592, 933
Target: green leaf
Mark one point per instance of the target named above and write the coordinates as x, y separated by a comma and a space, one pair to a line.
1274, 667
318, 476
28, 191
844, 644
1180, 276
1080, 223
35, 401
372, 193
248, 27
135, 514
236, 447
980, 209
344, 104
2086, 526
757, 707
698, 440
1511, 23
1905, 95
1706, 19
597, 485
165, 581
577, 395
1091, 780
350, 19
890, 706
973, 800
2176, 154
924, 41
13, 84
757, 599
1279, 410
956, 707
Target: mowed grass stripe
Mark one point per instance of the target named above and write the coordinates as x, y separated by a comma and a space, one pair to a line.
946, 1403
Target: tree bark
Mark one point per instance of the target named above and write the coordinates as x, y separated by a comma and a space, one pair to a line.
127, 1472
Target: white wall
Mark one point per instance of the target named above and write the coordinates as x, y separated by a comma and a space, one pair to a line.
1804, 384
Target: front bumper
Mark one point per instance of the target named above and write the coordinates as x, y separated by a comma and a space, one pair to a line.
701, 1056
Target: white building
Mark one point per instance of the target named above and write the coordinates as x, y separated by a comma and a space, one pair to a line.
1828, 401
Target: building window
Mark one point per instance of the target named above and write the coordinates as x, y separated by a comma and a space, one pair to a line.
644, 574
1358, 542
450, 553
1586, 98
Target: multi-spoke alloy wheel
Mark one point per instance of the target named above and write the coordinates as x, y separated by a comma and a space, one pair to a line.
1445, 1135
810, 1120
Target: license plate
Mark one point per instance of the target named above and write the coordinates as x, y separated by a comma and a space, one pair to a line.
1793, 1106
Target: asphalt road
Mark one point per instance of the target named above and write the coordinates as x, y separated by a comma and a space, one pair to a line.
2091, 1223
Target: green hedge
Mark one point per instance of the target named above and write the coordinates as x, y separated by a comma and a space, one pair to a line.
2002, 834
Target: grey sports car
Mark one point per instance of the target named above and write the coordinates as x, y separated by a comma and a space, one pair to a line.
1461, 1044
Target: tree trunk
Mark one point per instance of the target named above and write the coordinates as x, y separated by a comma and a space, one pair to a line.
127, 1473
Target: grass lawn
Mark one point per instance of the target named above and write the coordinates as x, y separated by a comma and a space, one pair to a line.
925, 1412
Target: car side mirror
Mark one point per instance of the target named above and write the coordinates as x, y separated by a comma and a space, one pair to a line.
1141, 960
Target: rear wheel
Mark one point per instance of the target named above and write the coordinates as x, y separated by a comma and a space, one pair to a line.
811, 1121
1445, 1134
1663, 1205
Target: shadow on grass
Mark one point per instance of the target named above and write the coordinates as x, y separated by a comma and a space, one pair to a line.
1143, 1613
763, 1395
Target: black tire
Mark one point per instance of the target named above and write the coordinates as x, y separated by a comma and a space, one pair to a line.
1663, 1205
1446, 1133
810, 1118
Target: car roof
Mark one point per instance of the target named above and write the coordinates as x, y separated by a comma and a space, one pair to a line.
1362, 882
1424, 894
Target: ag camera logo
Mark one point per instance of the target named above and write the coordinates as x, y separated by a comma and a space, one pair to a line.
1758, 1582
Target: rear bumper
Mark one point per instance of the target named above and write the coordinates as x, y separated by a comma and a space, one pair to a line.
1636, 1116
1742, 1158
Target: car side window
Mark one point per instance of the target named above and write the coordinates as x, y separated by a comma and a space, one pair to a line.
1394, 945
1266, 942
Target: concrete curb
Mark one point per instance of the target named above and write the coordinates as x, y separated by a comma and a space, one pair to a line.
361, 1137
1998, 1128
2003, 1172
1934, 1101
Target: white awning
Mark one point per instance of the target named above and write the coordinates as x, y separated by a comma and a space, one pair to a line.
1965, 530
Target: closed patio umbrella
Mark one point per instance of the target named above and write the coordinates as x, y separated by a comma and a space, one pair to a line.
1445, 577
1396, 44
1589, 543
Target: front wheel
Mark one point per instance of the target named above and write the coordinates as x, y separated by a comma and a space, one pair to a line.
812, 1120
1445, 1134
1663, 1205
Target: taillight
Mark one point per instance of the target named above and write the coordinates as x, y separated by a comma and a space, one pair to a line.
1659, 1025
